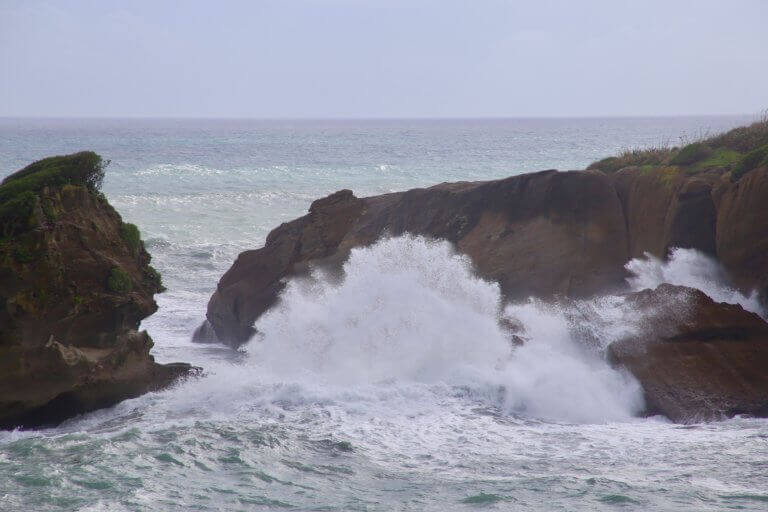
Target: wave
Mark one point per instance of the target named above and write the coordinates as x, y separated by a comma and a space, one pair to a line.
692, 268
410, 310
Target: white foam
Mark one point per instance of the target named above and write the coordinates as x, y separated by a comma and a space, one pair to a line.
689, 267
411, 310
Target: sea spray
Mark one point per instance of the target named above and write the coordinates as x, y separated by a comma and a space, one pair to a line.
410, 310
692, 268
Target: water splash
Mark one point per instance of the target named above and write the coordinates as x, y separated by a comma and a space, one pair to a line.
689, 267
410, 310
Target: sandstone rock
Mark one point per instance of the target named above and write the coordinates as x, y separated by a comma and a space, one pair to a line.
696, 359
75, 283
742, 231
541, 234
665, 208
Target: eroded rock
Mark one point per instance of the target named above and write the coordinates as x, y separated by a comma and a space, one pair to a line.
75, 282
696, 359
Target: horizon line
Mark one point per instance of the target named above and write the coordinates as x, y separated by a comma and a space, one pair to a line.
373, 118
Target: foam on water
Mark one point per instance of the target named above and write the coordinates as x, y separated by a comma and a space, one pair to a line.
411, 310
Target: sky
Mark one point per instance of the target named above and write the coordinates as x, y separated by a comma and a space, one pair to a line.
382, 59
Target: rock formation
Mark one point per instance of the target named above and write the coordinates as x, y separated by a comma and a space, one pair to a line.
537, 234
695, 358
75, 282
569, 234
543, 234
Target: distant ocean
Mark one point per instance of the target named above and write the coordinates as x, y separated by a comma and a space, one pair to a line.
321, 414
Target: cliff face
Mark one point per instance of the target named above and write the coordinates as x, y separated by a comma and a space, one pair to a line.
75, 283
742, 230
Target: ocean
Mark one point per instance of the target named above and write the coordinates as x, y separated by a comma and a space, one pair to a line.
393, 390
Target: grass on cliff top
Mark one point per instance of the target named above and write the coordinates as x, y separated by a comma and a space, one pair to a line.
739, 150
19, 191
84, 168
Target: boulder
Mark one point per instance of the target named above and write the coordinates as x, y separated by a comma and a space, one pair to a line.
75, 282
696, 359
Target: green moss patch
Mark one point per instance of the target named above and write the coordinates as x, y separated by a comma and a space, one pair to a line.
16, 213
85, 168
131, 235
19, 191
119, 281
755, 158
721, 157
154, 277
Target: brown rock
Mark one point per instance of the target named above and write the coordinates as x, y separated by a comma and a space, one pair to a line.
665, 208
696, 359
73, 290
538, 234
742, 231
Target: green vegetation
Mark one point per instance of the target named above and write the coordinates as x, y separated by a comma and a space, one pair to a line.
741, 149
19, 191
119, 281
48, 210
154, 277
85, 168
755, 158
22, 254
633, 157
16, 213
691, 153
721, 157
130, 234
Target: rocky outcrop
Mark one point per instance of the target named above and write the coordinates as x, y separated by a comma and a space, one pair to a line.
742, 230
696, 359
536, 234
543, 234
664, 208
75, 282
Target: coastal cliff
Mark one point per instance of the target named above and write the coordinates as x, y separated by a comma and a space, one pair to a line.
75, 282
548, 234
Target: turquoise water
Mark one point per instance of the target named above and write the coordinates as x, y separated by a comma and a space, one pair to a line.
390, 392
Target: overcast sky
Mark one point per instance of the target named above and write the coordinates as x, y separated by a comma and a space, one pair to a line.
388, 58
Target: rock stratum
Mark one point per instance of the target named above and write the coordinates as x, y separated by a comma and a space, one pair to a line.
556, 234
75, 282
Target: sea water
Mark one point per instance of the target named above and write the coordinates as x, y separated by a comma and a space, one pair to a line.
395, 388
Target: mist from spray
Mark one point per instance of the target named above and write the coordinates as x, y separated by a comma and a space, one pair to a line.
692, 268
410, 310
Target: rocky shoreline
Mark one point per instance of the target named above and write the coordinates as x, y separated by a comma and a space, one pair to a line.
554, 234
76, 281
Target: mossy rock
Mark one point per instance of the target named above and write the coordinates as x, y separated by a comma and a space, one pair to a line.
131, 235
154, 277
19, 191
119, 281
16, 214
84, 168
